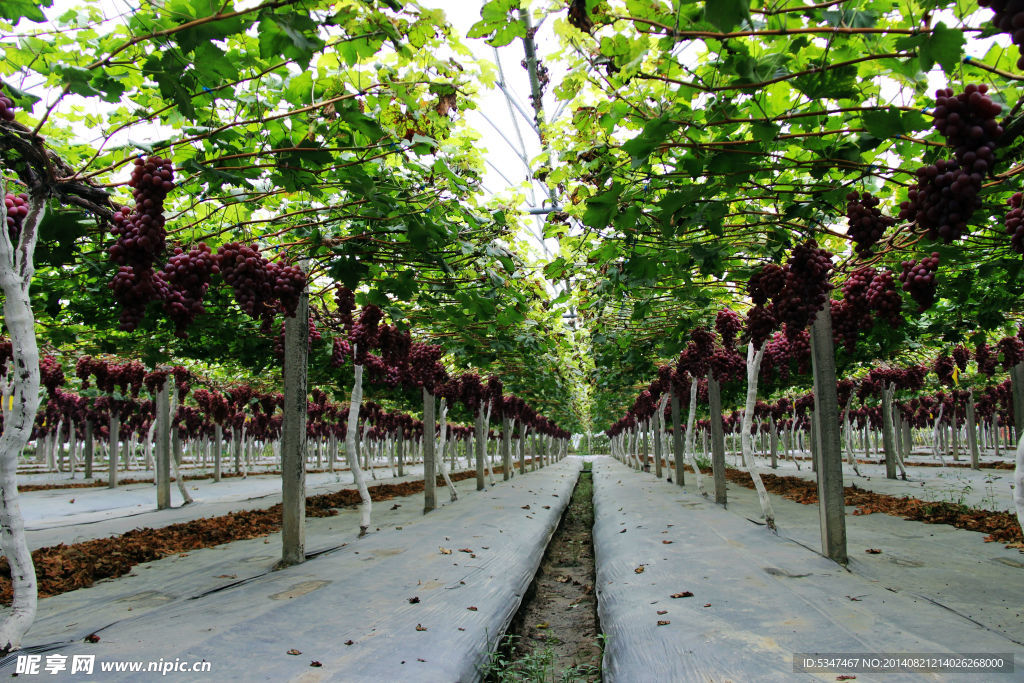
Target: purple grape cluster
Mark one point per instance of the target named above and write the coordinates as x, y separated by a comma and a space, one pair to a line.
944, 200
961, 356
1009, 18
186, 277
883, 297
867, 224
728, 324
943, 366
17, 209
968, 122
918, 278
6, 108
986, 360
761, 322
140, 239
766, 283
807, 286
1014, 222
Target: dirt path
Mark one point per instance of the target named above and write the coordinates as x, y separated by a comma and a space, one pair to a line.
555, 634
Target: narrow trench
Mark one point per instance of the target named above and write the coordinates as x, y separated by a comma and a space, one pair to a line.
555, 634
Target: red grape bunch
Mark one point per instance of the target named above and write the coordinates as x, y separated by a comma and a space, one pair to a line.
986, 360
17, 209
961, 355
761, 322
883, 298
1009, 18
1014, 222
186, 277
729, 324
944, 200
846, 324
867, 223
6, 108
968, 122
140, 239
245, 269
943, 366
807, 286
765, 284
918, 278
1012, 349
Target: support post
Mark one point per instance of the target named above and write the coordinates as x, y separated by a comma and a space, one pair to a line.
677, 440
717, 440
293, 435
429, 477
163, 447
506, 448
830, 471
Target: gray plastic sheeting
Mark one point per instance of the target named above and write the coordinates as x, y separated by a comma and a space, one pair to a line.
360, 593
757, 598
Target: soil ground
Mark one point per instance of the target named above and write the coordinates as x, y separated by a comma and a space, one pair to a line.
555, 634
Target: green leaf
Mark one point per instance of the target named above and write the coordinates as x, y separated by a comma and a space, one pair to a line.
29, 9
944, 46
727, 14
600, 207
654, 134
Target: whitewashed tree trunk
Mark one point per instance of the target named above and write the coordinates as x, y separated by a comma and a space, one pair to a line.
691, 419
753, 368
16, 270
1018, 483
936, 447
439, 452
486, 440
366, 505
851, 457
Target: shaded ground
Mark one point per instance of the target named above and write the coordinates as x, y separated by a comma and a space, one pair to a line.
63, 568
555, 634
1001, 527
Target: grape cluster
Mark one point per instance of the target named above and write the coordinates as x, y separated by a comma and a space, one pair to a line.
728, 324
340, 350
807, 286
765, 284
883, 298
944, 200
51, 374
261, 287
1008, 18
313, 337
761, 322
918, 278
968, 122
867, 223
17, 209
345, 299
943, 367
726, 365
961, 355
1014, 222
186, 277
846, 324
986, 360
140, 239
6, 108
1012, 349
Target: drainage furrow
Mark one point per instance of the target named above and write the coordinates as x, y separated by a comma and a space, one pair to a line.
555, 635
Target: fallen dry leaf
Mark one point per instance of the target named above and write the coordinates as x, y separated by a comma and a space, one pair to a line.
623, 531
525, 507
395, 506
662, 611
471, 609
684, 594
92, 638
315, 663
547, 507
445, 551
542, 624
350, 642
639, 570
72, 500
666, 542
420, 660
846, 677
227, 576
461, 629
465, 550
563, 579
873, 551
421, 627
293, 651
664, 622
707, 604
413, 600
